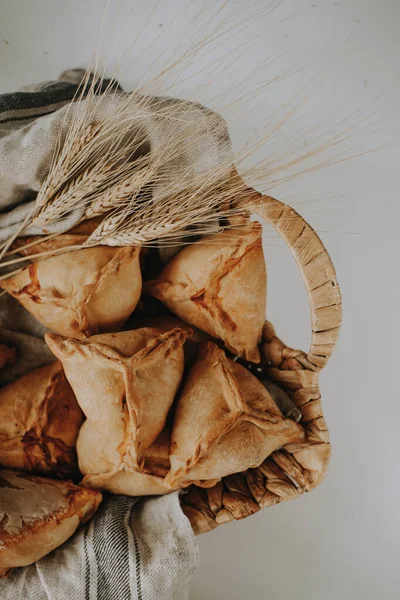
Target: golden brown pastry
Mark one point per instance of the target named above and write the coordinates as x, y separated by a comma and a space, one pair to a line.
121, 479
128, 483
166, 323
37, 515
81, 292
219, 285
225, 421
37, 245
39, 423
74, 237
125, 384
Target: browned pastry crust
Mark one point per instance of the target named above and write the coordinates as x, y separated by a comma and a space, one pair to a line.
219, 285
225, 422
149, 482
37, 515
131, 379
66, 240
39, 425
299, 466
81, 292
74, 237
166, 323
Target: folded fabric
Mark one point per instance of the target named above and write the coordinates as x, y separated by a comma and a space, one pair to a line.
26, 151
128, 551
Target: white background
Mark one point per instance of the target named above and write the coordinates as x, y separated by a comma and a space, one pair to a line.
341, 541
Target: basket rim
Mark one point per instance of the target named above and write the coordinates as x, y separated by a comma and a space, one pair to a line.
316, 268
296, 468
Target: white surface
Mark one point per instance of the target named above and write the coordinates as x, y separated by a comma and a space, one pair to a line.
342, 541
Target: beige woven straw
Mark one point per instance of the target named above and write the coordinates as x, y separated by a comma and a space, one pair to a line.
298, 467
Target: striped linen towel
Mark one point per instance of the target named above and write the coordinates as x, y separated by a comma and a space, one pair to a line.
130, 550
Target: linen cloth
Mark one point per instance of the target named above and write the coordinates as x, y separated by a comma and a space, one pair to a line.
27, 144
132, 549
33, 121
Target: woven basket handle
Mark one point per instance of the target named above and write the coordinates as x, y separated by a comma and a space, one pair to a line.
315, 266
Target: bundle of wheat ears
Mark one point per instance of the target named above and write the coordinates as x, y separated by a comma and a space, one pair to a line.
137, 185
140, 187
168, 376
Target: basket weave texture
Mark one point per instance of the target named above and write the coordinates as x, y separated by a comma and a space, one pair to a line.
297, 467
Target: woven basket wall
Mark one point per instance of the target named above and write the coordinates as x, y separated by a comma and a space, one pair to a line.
298, 467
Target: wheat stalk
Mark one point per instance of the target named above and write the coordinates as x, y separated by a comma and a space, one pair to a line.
147, 200
67, 163
71, 195
116, 196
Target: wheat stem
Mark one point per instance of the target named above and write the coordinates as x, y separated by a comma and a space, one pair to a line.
20, 259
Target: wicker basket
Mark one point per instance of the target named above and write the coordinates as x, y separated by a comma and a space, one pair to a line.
298, 467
